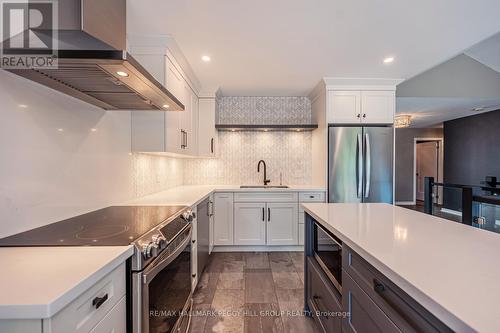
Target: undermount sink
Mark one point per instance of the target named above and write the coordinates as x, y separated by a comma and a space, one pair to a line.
264, 186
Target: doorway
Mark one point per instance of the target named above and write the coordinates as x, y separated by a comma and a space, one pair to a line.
428, 162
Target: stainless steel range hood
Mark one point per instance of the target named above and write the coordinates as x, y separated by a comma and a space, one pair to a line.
92, 53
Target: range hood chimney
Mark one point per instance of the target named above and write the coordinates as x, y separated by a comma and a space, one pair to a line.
93, 64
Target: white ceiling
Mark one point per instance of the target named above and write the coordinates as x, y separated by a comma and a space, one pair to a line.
284, 47
487, 52
432, 112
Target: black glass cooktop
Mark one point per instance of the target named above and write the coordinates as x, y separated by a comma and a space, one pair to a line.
117, 225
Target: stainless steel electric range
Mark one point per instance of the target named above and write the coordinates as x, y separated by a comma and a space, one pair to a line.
159, 272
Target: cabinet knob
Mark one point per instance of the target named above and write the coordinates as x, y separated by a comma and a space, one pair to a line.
359, 115
364, 115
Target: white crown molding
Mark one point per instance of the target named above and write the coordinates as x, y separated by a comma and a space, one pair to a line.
344, 83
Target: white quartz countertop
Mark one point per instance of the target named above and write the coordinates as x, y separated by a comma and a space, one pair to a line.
449, 268
192, 195
37, 282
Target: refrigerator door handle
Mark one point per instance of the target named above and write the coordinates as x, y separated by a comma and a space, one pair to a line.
359, 166
367, 165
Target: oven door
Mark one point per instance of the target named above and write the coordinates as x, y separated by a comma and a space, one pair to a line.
328, 253
163, 291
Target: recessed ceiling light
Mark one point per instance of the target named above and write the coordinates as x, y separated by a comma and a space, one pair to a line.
60, 129
123, 74
93, 129
166, 106
479, 108
22, 106
388, 60
205, 58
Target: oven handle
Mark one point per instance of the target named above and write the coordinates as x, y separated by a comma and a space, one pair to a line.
150, 273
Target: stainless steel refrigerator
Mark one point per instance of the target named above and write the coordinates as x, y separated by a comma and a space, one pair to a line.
360, 164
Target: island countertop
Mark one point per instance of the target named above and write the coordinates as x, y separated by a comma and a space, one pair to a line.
449, 268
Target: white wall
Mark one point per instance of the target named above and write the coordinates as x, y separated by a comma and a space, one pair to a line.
47, 174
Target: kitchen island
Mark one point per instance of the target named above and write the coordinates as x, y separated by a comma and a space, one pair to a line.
401, 270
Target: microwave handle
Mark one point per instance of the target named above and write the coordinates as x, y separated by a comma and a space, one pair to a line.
150, 273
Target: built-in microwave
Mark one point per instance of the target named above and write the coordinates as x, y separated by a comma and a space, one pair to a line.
327, 250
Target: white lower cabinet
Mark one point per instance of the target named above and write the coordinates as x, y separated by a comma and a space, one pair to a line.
223, 219
96, 310
269, 218
250, 223
115, 321
282, 224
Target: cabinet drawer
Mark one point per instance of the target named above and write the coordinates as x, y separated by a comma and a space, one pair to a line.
312, 197
265, 197
323, 299
404, 311
115, 321
81, 315
365, 316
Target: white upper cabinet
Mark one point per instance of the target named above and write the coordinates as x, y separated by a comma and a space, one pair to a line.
361, 107
207, 134
344, 107
175, 84
378, 107
170, 131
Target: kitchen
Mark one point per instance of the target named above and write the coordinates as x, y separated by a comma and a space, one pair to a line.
159, 180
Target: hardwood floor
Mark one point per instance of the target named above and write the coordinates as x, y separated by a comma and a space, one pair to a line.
252, 292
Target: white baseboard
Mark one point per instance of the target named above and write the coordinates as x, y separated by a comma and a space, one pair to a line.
451, 211
405, 203
258, 248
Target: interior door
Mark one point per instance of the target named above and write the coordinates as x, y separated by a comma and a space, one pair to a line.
378, 146
427, 164
345, 164
250, 223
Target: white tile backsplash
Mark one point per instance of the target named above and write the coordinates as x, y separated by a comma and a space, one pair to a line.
263, 110
285, 152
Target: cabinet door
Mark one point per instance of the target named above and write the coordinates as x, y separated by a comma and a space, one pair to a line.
175, 84
185, 119
282, 224
344, 107
223, 219
115, 321
378, 107
148, 130
250, 223
207, 135
365, 315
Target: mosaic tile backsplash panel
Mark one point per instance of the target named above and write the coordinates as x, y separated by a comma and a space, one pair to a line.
285, 152
263, 110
